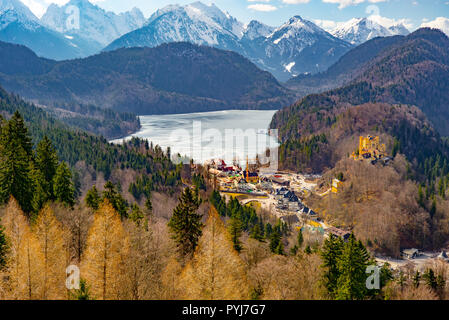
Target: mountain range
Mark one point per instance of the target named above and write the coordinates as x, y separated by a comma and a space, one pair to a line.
298, 46
97, 27
50, 37
401, 90
295, 48
19, 25
359, 30
171, 78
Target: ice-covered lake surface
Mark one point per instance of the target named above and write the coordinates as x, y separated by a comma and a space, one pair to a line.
228, 135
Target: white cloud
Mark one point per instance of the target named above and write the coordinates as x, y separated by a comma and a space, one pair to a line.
345, 3
441, 23
295, 1
262, 7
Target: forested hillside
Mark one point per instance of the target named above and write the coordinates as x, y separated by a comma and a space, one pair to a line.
90, 156
344, 70
402, 98
411, 70
172, 78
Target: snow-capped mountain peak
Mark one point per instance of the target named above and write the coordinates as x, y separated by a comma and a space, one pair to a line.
200, 12
399, 29
256, 29
298, 29
95, 24
195, 22
17, 6
15, 10
297, 46
359, 30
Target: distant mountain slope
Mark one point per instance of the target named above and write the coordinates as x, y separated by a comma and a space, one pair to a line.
256, 29
413, 71
19, 25
195, 23
345, 69
171, 78
298, 46
97, 27
359, 30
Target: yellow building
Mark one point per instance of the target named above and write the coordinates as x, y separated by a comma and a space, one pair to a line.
336, 185
250, 177
370, 149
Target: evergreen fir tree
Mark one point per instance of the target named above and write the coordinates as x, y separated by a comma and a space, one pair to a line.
136, 215
416, 279
235, 229
385, 275
401, 279
83, 293
149, 204
47, 163
63, 189
93, 198
352, 264
275, 238
17, 134
280, 249
15, 163
185, 225
330, 253
256, 233
115, 199
268, 230
430, 279
300, 239
441, 282
40, 186
420, 196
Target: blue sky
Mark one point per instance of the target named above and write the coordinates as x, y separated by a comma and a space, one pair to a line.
274, 12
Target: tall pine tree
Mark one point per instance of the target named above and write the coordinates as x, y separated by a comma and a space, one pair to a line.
63, 188
185, 224
93, 198
47, 163
115, 199
15, 163
235, 229
330, 254
352, 264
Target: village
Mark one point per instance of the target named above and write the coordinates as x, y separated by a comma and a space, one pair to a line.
284, 195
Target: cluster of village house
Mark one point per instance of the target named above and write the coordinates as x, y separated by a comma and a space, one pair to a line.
232, 179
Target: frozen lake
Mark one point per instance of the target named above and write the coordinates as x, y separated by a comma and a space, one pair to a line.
228, 135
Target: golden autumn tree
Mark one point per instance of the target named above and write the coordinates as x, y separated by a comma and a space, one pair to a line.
104, 260
216, 271
51, 237
170, 280
25, 260
150, 248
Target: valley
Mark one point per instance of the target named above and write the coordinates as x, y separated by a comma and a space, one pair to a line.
179, 153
